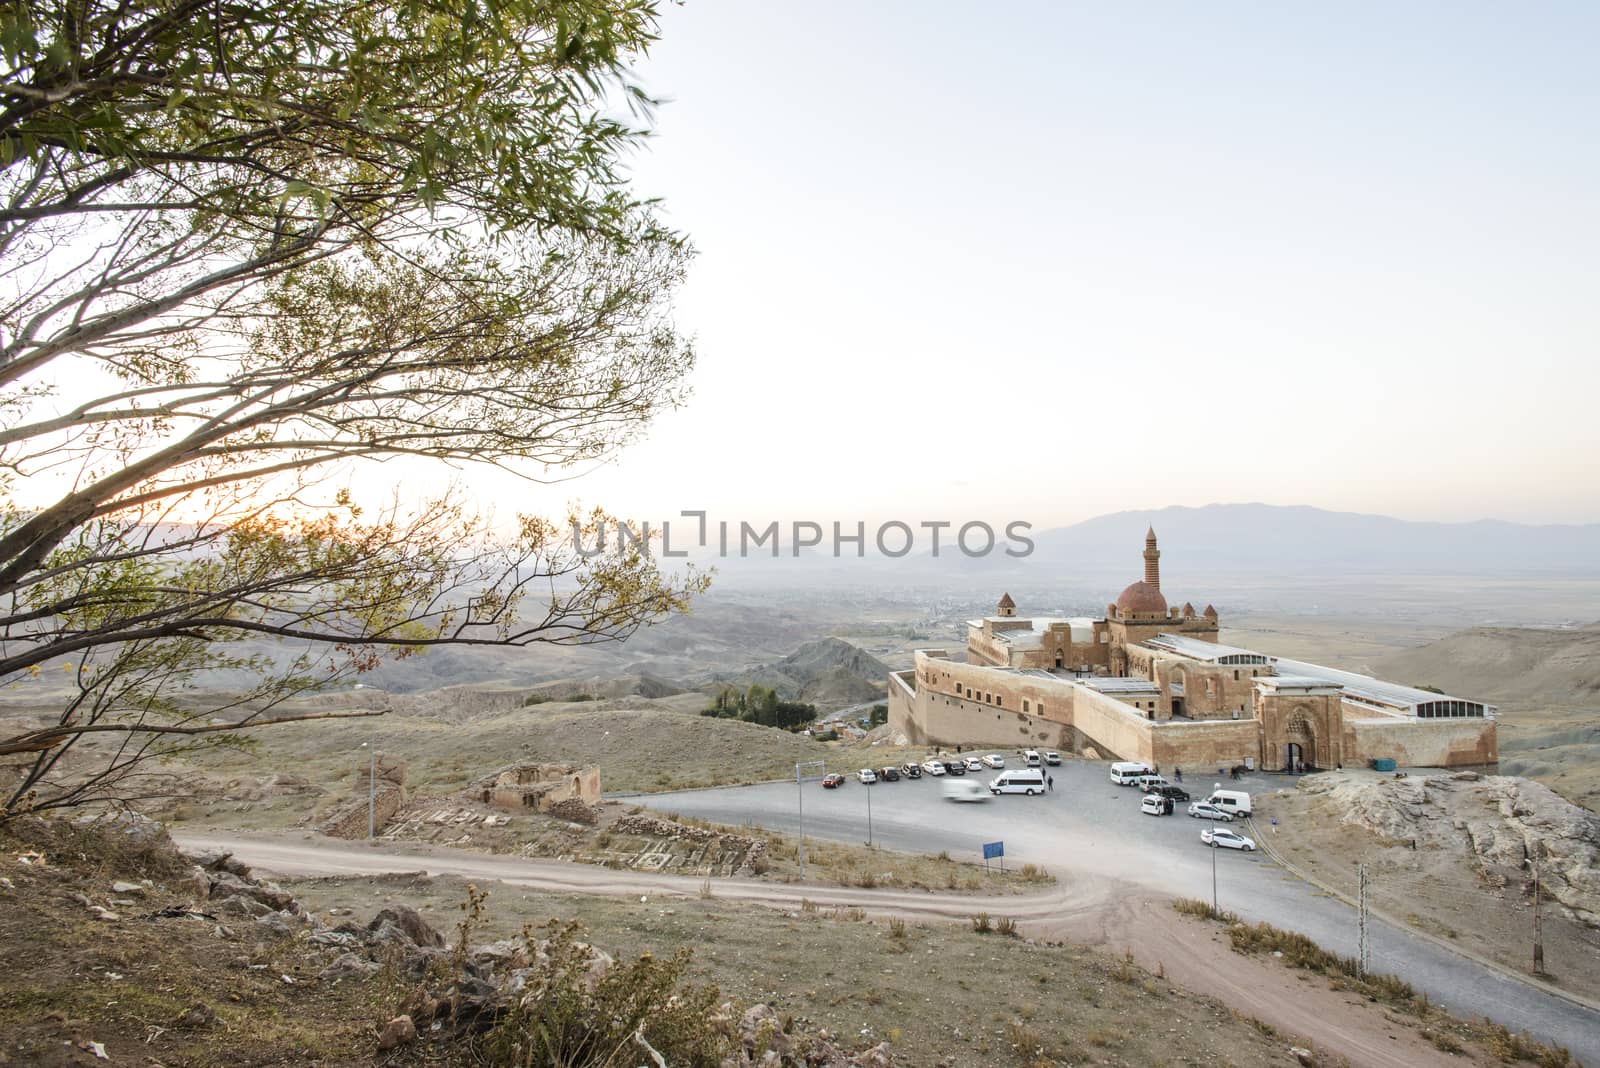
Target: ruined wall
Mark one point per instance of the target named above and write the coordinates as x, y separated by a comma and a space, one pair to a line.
540, 787
1434, 743
349, 820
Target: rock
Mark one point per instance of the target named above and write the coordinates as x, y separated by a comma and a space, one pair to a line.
1302, 1055
348, 966
104, 914
761, 1032
877, 1056
244, 907
197, 1015
197, 884
504, 955
127, 888
408, 920
277, 924
399, 1031
81, 899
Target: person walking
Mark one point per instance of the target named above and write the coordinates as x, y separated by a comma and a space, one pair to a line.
1177, 774
1050, 782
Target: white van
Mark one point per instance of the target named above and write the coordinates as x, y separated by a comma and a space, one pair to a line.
1022, 781
1129, 772
1151, 783
1031, 758
1233, 802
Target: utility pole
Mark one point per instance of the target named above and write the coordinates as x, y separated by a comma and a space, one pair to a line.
1363, 952
869, 813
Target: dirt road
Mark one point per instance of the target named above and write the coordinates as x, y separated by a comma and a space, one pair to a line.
1091, 909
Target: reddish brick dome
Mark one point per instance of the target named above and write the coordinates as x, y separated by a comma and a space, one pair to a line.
1143, 598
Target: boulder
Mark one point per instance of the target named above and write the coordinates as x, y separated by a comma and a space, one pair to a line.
240, 906
277, 924
408, 920
399, 1031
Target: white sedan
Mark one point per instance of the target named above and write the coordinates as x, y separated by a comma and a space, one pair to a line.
932, 767
867, 775
1202, 811
995, 760
974, 764
1218, 836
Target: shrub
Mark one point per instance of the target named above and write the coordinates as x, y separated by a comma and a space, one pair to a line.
897, 928
1005, 925
980, 923
561, 1020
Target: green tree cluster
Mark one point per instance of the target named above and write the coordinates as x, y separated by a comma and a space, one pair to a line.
760, 704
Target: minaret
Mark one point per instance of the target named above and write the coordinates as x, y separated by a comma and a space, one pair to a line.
1152, 560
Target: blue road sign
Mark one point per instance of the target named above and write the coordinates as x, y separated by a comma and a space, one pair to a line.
993, 849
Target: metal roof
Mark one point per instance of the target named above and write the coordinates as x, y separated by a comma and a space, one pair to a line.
1367, 689
1209, 652
1120, 684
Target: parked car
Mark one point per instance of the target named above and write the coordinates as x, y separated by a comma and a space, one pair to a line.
1202, 811
832, 781
1031, 758
911, 771
965, 791
1052, 757
1216, 837
974, 764
1151, 783
933, 767
889, 774
1170, 792
1155, 805
956, 767
994, 760
867, 776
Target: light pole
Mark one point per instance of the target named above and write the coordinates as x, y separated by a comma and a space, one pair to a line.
869, 813
800, 784
1538, 934
1216, 913
372, 784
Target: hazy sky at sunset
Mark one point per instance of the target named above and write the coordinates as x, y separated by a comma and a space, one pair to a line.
1048, 260
1072, 258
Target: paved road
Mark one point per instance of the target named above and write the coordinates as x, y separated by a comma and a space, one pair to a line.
1088, 826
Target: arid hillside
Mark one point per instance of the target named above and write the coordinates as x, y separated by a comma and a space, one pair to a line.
1547, 684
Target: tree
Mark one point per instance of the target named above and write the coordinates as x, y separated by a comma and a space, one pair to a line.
246, 249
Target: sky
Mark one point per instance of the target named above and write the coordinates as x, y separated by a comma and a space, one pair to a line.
1063, 259
1053, 260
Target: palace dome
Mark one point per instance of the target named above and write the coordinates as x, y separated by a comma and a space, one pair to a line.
1143, 598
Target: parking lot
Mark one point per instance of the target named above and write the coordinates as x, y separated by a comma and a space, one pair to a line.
1088, 827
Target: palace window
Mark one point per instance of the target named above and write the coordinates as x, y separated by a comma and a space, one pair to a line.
1024, 704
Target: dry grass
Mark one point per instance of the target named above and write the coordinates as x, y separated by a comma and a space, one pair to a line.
1446, 1032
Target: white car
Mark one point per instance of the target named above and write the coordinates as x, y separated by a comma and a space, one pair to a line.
964, 790
867, 775
1217, 836
1202, 811
1052, 757
974, 764
995, 760
933, 767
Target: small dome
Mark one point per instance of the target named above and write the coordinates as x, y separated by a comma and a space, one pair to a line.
1006, 601
1141, 598
1188, 610
1210, 613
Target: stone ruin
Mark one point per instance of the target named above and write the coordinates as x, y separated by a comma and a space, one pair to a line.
567, 791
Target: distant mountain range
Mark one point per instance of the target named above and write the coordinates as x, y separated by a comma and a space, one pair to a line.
1226, 538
